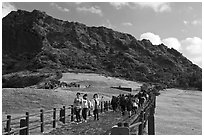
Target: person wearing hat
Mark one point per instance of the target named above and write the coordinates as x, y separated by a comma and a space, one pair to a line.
77, 107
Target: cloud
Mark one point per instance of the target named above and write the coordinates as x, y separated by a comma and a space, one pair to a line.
7, 8
192, 48
119, 5
78, 3
126, 24
59, 7
192, 45
194, 22
94, 10
172, 43
190, 8
185, 22
189, 47
156, 6
154, 39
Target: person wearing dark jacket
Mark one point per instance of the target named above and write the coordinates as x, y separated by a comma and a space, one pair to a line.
123, 104
129, 104
96, 105
141, 98
114, 103
77, 107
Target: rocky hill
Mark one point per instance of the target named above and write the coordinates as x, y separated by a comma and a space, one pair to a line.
34, 42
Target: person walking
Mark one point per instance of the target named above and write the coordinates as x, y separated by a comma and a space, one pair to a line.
90, 108
96, 104
77, 107
85, 106
114, 103
141, 98
123, 104
129, 104
102, 104
135, 104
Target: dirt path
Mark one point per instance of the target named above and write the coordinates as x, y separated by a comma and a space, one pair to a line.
101, 127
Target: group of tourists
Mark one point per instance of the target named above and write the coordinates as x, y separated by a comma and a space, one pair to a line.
129, 102
83, 107
125, 103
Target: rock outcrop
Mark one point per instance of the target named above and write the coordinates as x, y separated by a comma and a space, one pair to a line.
35, 41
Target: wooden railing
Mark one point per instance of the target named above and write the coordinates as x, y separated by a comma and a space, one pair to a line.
144, 114
22, 125
26, 123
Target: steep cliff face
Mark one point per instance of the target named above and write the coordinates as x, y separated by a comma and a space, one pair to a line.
35, 41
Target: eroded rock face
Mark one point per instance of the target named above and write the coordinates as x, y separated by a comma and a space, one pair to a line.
34, 41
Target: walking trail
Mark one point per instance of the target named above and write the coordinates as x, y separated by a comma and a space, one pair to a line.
91, 127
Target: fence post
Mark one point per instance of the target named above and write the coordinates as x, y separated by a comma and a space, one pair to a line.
22, 124
54, 118
27, 123
101, 106
8, 124
141, 126
63, 114
42, 120
151, 127
60, 115
154, 100
72, 113
145, 118
104, 106
109, 104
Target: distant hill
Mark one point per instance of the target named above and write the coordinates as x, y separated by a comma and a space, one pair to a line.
34, 42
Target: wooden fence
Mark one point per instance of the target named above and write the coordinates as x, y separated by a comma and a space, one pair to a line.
24, 124
143, 116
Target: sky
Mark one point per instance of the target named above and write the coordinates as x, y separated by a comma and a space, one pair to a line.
178, 25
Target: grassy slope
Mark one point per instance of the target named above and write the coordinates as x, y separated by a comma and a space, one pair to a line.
179, 112
97, 80
17, 101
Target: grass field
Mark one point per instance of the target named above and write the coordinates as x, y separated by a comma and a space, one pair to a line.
177, 112
17, 101
20, 100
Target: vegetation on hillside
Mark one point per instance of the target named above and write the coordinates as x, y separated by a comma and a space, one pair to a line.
35, 42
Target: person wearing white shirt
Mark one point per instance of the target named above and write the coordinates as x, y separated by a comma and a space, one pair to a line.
85, 106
